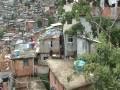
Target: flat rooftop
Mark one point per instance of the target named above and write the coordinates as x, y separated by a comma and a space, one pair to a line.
63, 69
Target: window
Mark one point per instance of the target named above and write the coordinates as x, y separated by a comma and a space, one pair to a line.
45, 58
118, 3
25, 62
51, 44
70, 39
106, 3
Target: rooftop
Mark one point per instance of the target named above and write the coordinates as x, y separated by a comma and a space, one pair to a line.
23, 54
22, 50
62, 70
22, 84
5, 74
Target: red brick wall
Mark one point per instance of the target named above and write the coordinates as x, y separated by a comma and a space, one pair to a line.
29, 26
23, 70
5, 86
58, 86
54, 82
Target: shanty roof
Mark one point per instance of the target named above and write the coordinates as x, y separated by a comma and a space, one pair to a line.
6, 39
62, 70
23, 54
20, 20
9, 34
23, 51
56, 24
50, 27
89, 39
5, 74
31, 21
51, 33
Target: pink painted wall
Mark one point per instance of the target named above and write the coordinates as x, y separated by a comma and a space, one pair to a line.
5, 86
106, 12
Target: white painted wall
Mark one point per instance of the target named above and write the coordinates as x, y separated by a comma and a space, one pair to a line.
83, 46
70, 48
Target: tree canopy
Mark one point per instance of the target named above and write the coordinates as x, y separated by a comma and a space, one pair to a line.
104, 63
1, 33
39, 22
77, 28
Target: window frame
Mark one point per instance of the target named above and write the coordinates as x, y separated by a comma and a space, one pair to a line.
26, 62
70, 39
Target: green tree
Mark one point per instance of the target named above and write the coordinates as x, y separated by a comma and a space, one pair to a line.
27, 4
81, 8
104, 63
115, 37
60, 2
77, 28
39, 22
50, 20
68, 17
1, 33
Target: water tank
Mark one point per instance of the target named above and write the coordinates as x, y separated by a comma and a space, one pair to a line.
79, 65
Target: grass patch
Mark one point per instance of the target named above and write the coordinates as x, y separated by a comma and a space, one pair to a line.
45, 80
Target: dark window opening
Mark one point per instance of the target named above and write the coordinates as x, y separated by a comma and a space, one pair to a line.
25, 62
61, 39
36, 61
113, 5
51, 44
70, 39
45, 58
119, 3
106, 3
69, 1
51, 52
5, 79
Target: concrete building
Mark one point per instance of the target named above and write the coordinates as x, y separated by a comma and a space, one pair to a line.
51, 41
23, 59
111, 8
62, 76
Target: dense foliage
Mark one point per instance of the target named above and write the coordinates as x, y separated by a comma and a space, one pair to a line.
81, 8
115, 37
104, 64
39, 22
50, 20
77, 28
1, 33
